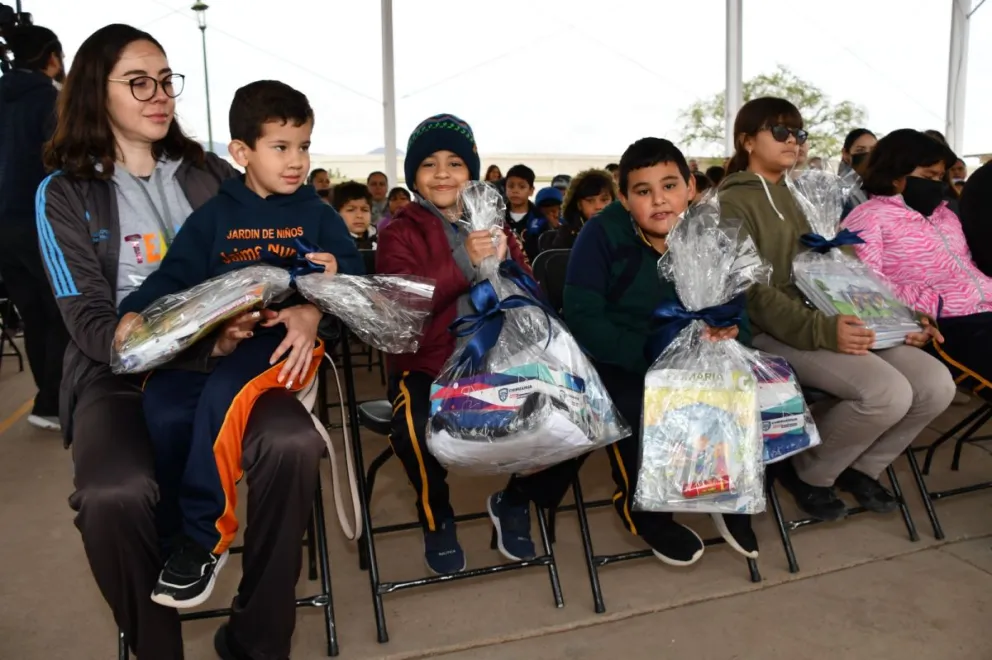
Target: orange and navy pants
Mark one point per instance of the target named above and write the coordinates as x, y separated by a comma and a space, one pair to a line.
196, 422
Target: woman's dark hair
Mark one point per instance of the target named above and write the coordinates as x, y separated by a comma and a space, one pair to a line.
854, 136
755, 115
83, 137
396, 192
313, 175
31, 46
899, 153
590, 183
489, 170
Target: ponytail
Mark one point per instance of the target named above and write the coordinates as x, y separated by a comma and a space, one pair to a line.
739, 161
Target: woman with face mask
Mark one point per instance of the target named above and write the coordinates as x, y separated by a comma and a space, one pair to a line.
884, 398
915, 243
28, 91
858, 146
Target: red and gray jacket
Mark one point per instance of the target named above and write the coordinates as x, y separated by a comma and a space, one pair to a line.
415, 243
79, 235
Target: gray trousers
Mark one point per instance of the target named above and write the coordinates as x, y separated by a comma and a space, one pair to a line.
884, 400
116, 498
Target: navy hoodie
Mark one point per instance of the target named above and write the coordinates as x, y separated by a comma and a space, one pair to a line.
234, 230
27, 120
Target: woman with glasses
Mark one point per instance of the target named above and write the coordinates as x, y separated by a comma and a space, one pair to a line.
882, 399
126, 177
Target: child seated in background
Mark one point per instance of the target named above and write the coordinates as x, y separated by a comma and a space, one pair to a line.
196, 420
398, 198
588, 193
353, 201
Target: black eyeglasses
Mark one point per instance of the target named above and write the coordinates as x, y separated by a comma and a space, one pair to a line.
781, 133
144, 88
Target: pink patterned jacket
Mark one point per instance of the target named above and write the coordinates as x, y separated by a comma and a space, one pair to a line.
925, 261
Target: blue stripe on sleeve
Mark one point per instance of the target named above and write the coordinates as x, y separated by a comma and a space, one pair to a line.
51, 251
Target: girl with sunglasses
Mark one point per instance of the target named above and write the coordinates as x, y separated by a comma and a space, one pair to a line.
882, 399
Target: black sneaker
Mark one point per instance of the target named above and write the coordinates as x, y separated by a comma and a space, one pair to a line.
227, 647
672, 543
736, 531
442, 552
820, 502
512, 525
188, 576
867, 491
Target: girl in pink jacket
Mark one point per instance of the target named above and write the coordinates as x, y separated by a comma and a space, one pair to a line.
915, 243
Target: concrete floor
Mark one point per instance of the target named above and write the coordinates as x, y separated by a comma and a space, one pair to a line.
864, 591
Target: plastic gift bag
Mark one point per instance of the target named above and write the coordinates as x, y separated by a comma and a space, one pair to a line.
175, 322
786, 422
835, 282
518, 394
701, 441
385, 311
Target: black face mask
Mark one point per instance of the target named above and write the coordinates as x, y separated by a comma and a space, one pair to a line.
326, 192
857, 160
923, 195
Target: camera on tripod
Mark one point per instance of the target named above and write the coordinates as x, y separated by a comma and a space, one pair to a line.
10, 19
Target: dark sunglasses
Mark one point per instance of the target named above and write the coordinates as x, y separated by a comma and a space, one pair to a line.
781, 133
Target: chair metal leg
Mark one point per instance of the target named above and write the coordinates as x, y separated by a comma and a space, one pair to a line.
975, 420
122, 650
580, 509
907, 517
369, 538
318, 522
921, 485
783, 531
550, 551
311, 549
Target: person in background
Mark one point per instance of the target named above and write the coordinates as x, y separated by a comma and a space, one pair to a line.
958, 174
561, 182
426, 239
614, 169
493, 174
589, 193
321, 182
854, 157
976, 216
715, 174
951, 193
520, 211
693, 165
353, 201
915, 244
548, 219
612, 288
815, 163
701, 185
398, 198
28, 95
378, 185
884, 398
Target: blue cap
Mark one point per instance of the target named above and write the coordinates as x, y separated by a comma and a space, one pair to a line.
548, 195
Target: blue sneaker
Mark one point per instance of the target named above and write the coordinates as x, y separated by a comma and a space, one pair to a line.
512, 524
442, 551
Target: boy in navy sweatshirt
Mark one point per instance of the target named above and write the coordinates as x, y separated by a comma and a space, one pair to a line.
196, 420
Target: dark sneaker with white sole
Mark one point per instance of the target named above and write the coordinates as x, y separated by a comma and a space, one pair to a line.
673, 543
442, 552
512, 524
188, 577
735, 528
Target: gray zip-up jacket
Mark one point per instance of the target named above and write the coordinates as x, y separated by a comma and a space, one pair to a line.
79, 235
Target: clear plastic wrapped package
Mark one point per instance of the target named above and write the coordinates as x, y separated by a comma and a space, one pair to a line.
835, 282
385, 311
175, 322
701, 440
518, 394
786, 422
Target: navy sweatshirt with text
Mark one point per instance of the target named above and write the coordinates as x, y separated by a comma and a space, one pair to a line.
235, 229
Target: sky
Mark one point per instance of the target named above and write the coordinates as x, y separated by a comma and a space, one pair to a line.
549, 76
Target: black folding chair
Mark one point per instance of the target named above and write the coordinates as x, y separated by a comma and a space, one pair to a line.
8, 348
376, 416
549, 271
786, 527
966, 431
546, 240
316, 545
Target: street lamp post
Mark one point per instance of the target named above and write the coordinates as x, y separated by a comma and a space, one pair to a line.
201, 18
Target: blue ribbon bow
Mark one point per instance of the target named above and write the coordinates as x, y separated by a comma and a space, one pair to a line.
671, 317
483, 327
298, 264
821, 245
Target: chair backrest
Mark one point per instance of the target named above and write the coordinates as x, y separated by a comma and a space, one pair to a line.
549, 271
368, 256
546, 240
